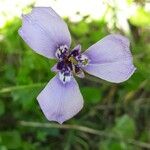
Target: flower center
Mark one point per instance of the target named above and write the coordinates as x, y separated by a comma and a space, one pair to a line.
70, 62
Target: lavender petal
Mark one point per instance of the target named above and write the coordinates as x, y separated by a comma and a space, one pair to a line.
44, 31
110, 59
60, 102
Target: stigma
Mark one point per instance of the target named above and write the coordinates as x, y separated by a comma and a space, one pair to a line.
70, 62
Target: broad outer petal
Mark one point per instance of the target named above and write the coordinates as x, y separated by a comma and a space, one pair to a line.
44, 31
110, 59
60, 102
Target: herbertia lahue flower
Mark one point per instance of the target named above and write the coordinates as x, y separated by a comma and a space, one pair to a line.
48, 35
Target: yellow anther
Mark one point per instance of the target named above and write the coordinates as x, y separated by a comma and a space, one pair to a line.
85, 61
73, 60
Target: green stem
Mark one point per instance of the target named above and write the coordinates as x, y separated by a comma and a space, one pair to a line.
20, 87
85, 129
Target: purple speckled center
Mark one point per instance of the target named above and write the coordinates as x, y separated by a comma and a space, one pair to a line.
70, 62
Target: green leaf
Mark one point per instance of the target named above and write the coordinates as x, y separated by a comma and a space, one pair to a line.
80, 28
2, 108
114, 145
125, 127
145, 136
2, 147
91, 95
26, 97
141, 18
41, 135
11, 139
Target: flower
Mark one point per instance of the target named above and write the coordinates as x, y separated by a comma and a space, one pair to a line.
47, 34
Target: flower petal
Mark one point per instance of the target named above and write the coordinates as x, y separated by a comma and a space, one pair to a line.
113, 72
44, 31
60, 102
110, 59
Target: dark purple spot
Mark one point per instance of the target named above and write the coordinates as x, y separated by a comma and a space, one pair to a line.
70, 65
77, 69
75, 53
63, 55
66, 73
60, 65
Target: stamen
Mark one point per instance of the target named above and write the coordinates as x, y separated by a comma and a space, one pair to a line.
83, 60
73, 60
70, 63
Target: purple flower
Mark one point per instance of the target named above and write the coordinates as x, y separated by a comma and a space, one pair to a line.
47, 34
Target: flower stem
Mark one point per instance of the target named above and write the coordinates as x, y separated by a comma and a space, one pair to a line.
85, 129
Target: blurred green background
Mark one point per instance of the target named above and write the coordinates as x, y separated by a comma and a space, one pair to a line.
114, 117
